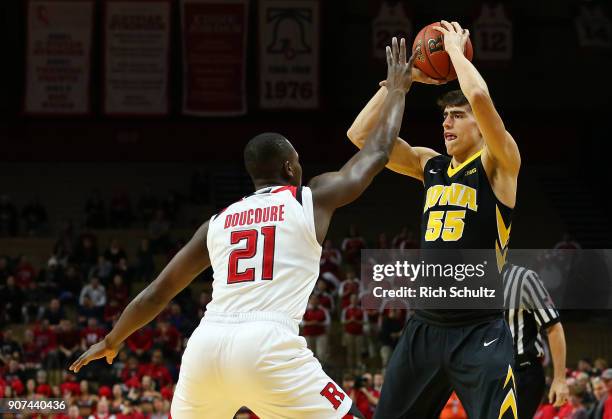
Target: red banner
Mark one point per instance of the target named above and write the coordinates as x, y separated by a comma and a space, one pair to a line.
58, 57
214, 56
136, 57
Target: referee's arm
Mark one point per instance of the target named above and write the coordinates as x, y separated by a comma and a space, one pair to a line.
548, 319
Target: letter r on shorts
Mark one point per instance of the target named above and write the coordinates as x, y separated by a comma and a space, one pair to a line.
333, 394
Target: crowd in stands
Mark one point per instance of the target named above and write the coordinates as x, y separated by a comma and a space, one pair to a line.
50, 314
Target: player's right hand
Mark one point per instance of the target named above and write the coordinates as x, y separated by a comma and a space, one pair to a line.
95, 351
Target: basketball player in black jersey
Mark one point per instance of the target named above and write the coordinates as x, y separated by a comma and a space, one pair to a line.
469, 351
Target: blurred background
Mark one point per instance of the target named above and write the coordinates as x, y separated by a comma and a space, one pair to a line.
122, 125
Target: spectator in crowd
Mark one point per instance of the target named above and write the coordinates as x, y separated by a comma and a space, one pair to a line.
140, 342
599, 388
390, 331
31, 358
70, 285
53, 312
60, 254
24, 273
34, 217
352, 246
87, 311
331, 259
102, 269
352, 319
124, 270
382, 242
377, 381
32, 307
69, 342
119, 291
114, 253
8, 217
156, 370
159, 233
325, 298
606, 402
145, 265
86, 400
42, 386
371, 394
96, 293
9, 347
168, 339
91, 334
46, 342
147, 205
11, 301
348, 287
112, 311
178, 319
205, 298
353, 386
85, 254
50, 277
315, 325
371, 331
405, 240
120, 211
95, 211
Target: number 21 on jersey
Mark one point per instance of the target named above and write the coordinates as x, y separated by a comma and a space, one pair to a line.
251, 238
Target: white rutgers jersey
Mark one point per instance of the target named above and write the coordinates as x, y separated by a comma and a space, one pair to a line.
264, 253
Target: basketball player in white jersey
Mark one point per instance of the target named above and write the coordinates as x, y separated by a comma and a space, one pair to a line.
265, 252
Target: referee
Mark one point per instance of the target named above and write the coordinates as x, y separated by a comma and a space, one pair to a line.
529, 312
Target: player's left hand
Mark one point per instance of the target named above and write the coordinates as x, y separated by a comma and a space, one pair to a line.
453, 34
96, 351
558, 393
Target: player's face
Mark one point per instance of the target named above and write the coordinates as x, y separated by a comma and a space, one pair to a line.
461, 133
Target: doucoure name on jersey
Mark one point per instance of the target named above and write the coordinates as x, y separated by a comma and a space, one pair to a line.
255, 215
454, 194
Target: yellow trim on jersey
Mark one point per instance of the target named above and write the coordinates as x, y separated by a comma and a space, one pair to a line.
452, 172
509, 376
509, 403
500, 256
502, 231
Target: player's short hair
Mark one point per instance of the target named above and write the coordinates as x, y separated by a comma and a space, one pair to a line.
265, 154
452, 98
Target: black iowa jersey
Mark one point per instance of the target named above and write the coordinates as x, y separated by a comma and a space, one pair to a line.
462, 212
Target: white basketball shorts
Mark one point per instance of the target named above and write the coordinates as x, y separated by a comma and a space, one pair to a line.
256, 360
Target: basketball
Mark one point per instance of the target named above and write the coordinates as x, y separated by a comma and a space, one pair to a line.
430, 56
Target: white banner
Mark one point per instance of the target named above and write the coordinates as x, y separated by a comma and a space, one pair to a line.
58, 55
289, 54
136, 57
214, 56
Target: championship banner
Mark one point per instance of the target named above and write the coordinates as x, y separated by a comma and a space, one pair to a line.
289, 54
493, 34
391, 19
214, 56
58, 57
136, 57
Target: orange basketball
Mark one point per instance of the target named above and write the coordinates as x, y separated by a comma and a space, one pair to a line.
430, 56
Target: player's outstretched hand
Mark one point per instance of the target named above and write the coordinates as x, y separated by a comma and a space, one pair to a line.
454, 35
399, 74
95, 351
398, 67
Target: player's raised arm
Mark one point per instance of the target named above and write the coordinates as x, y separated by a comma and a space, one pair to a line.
335, 189
182, 269
500, 149
404, 158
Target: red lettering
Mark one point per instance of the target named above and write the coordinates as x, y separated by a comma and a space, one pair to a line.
234, 220
258, 215
281, 213
274, 213
266, 215
250, 217
242, 218
333, 394
228, 221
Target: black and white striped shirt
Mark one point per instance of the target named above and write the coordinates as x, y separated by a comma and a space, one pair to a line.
529, 310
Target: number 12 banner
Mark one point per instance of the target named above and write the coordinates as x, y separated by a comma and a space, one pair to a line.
289, 54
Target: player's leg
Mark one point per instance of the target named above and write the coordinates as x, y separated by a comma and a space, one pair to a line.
480, 369
198, 391
530, 385
416, 385
288, 381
